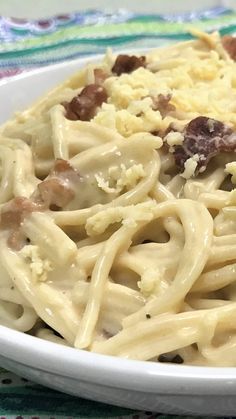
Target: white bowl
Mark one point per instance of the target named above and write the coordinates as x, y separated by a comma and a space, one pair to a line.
166, 388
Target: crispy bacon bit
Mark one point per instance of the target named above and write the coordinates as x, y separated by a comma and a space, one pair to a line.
61, 166
83, 107
162, 104
229, 43
99, 76
14, 212
63, 169
156, 133
204, 137
127, 63
56, 191
12, 216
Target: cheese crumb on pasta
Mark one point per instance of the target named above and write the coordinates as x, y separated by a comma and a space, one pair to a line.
127, 123
129, 177
190, 166
99, 222
231, 169
39, 267
174, 138
149, 281
121, 178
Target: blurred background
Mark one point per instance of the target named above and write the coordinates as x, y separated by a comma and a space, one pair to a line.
36, 33
45, 8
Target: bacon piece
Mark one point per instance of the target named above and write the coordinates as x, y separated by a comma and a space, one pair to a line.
205, 137
56, 191
61, 166
14, 212
63, 169
16, 240
229, 43
99, 76
162, 104
12, 216
127, 63
83, 106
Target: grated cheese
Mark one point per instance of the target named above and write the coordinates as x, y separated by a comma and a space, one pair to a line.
231, 169
202, 82
121, 178
190, 166
149, 281
39, 267
174, 138
130, 215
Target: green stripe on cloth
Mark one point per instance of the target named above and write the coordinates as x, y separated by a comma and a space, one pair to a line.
23, 47
118, 30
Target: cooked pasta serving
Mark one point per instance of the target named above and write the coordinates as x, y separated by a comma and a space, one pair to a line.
118, 207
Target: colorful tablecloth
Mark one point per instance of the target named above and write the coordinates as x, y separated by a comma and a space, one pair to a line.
26, 44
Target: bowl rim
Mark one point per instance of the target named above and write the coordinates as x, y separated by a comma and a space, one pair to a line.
80, 61
149, 377
50, 67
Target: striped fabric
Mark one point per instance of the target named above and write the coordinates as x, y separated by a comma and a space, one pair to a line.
26, 44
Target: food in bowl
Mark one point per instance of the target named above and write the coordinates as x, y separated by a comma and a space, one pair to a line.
118, 208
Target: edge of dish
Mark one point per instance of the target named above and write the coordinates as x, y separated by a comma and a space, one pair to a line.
117, 372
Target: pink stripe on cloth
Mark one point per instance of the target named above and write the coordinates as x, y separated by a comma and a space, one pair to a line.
10, 72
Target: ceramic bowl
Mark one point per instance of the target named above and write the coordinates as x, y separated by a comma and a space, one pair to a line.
167, 388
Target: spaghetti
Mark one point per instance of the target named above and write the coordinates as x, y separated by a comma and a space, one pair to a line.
118, 208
